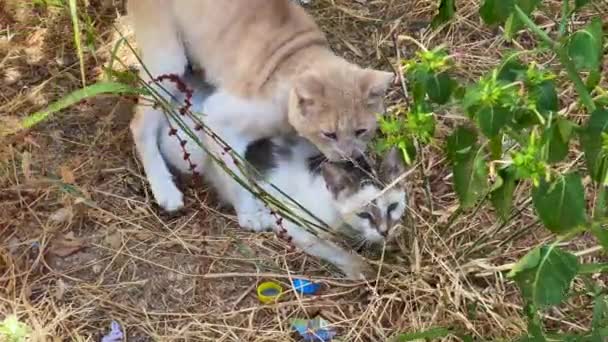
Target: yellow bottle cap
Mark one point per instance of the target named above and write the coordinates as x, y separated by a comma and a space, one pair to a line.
269, 292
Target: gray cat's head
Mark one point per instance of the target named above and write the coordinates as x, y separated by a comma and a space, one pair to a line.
363, 202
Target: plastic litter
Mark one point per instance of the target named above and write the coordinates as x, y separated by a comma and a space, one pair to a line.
313, 330
115, 334
306, 287
269, 292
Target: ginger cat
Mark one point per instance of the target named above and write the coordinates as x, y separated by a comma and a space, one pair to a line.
273, 71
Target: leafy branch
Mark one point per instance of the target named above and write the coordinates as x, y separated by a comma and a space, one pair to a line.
518, 134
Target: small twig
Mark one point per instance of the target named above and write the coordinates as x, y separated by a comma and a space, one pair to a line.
399, 72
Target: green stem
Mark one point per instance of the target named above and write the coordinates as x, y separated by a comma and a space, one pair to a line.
534, 28
564, 59
579, 85
565, 16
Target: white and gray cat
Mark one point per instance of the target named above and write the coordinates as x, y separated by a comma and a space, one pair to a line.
336, 192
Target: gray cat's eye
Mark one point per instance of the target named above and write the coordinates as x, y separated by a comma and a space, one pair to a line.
331, 135
392, 207
365, 216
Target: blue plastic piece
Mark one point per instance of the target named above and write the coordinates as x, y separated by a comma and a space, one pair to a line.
314, 330
306, 287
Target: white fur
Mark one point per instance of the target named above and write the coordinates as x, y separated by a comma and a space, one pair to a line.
227, 110
293, 177
349, 206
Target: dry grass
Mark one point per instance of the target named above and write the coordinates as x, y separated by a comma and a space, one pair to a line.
82, 243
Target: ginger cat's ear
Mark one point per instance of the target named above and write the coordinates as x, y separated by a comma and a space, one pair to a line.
375, 83
308, 89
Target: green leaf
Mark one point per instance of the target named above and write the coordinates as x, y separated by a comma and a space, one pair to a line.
544, 275
535, 331
591, 140
511, 69
14, 330
79, 95
580, 3
471, 101
558, 137
585, 46
502, 196
439, 87
513, 24
600, 318
492, 118
419, 79
545, 96
561, 204
593, 268
523, 118
77, 40
428, 334
121, 76
495, 146
496, 11
447, 10
593, 80
601, 234
469, 167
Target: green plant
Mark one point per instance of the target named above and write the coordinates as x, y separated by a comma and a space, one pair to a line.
519, 133
81, 23
12, 330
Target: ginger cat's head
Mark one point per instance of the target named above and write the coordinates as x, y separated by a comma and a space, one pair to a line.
336, 106
362, 201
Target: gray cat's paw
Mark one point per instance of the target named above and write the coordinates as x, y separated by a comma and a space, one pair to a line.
258, 220
359, 270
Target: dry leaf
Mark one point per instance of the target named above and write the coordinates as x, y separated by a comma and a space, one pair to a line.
66, 245
114, 240
30, 140
143, 235
9, 125
59, 290
26, 165
62, 215
67, 176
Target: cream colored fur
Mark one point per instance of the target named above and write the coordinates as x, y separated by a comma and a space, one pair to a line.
273, 71
315, 191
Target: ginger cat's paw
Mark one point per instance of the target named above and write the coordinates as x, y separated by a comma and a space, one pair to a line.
168, 196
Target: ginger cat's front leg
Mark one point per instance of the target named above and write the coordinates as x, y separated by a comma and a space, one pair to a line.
251, 212
145, 127
162, 53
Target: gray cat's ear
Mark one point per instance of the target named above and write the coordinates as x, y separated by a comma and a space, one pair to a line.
308, 88
375, 83
337, 179
393, 165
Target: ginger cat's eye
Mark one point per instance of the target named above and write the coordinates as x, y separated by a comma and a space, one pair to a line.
331, 135
360, 132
